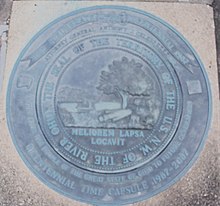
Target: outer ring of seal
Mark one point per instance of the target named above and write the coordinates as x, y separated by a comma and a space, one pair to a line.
125, 8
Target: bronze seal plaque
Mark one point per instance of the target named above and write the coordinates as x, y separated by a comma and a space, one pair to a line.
108, 105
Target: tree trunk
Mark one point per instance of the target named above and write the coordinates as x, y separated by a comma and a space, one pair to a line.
124, 97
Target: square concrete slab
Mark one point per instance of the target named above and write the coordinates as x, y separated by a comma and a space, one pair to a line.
201, 185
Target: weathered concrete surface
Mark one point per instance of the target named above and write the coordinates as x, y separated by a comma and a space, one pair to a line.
5, 8
201, 185
209, 2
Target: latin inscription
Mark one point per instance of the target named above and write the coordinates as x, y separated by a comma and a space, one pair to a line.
108, 141
93, 132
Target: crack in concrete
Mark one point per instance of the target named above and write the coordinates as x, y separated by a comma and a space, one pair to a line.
3, 50
216, 7
208, 2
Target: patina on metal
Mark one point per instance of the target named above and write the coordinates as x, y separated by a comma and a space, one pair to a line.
108, 105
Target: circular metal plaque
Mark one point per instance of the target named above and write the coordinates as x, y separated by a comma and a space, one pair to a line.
108, 105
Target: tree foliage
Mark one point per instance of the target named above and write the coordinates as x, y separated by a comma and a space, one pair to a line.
125, 77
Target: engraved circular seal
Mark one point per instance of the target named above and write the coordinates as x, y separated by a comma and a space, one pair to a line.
108, 105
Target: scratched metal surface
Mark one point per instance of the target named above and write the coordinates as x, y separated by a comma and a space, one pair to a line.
94, 136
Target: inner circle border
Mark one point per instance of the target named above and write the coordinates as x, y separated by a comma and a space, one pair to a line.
142, 162
125, 8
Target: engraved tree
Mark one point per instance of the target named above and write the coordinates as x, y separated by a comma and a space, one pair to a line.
123, 79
